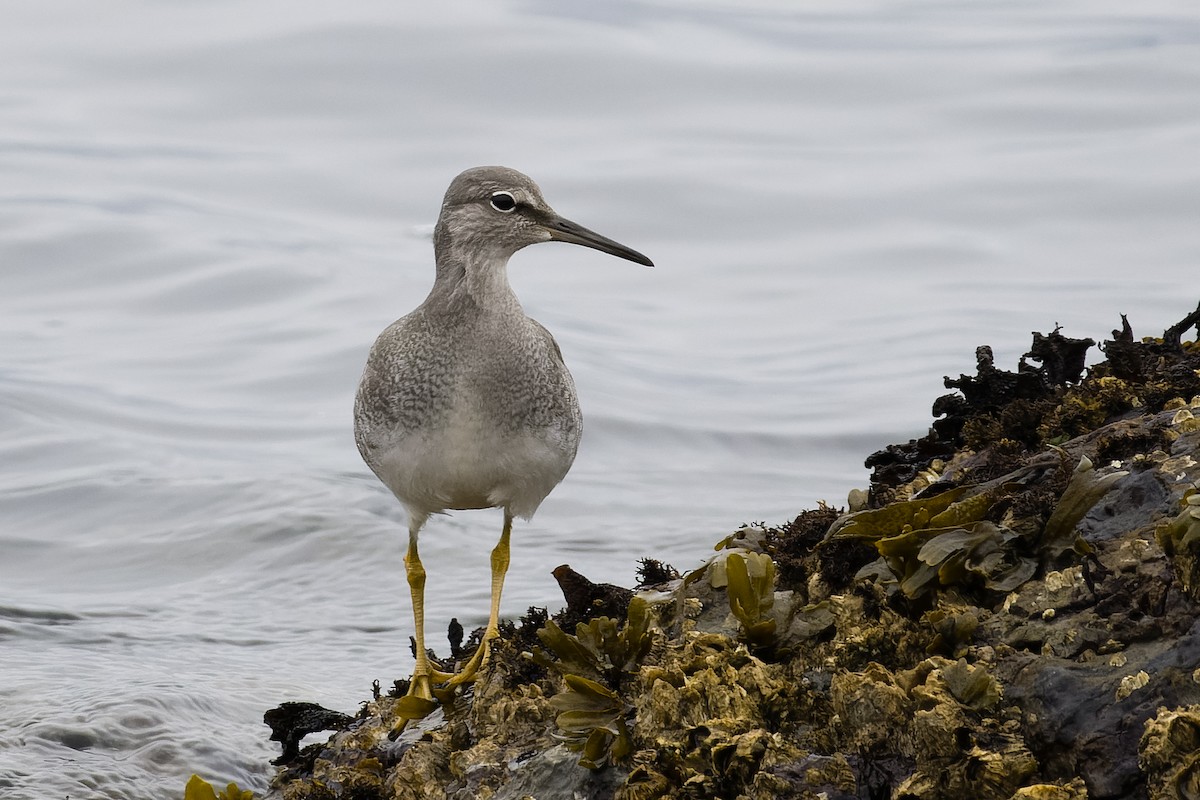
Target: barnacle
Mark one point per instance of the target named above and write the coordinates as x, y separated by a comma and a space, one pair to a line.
972, 686
952, 629
808, 621
1169, 752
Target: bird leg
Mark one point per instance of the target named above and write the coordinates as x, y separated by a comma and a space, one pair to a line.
419, 700
499, 568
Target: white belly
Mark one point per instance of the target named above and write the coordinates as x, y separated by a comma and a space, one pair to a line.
468, 464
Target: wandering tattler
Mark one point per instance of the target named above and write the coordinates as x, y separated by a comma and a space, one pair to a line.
466, 402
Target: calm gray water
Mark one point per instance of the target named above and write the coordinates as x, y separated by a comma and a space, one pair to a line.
208, 211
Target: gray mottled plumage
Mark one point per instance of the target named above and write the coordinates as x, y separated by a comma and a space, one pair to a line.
466, 402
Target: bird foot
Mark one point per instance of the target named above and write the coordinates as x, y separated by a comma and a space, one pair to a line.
422, 697
411, 707
480, 659
418, 703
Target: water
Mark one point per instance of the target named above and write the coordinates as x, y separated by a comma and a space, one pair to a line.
208, 211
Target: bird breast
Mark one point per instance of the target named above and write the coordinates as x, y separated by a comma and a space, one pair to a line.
484, 418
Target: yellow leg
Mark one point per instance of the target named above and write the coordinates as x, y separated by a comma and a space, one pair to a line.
499, 568
419, 700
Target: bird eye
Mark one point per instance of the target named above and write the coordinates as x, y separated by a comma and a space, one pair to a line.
503, 201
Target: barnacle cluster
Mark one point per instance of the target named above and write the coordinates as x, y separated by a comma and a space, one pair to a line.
1007, 614
1169, 752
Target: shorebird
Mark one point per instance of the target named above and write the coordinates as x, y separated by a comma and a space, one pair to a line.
465, 403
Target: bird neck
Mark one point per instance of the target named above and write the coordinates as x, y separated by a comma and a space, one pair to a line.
470, 272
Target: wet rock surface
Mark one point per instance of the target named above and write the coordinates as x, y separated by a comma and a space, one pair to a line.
1010, 611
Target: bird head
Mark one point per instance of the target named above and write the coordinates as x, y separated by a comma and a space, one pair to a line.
492, 212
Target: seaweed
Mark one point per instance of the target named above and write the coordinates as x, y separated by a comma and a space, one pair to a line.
591, 718
594, 664
599, 650
947, 540
751, 593
199, 789
1179, 538
1083, 491
923, 560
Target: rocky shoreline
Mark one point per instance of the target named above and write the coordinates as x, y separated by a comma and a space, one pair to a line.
1010, 611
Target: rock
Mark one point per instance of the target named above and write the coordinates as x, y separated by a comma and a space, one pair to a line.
1011, 613
291, 722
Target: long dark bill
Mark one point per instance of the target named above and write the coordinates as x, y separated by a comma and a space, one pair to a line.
563, 230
